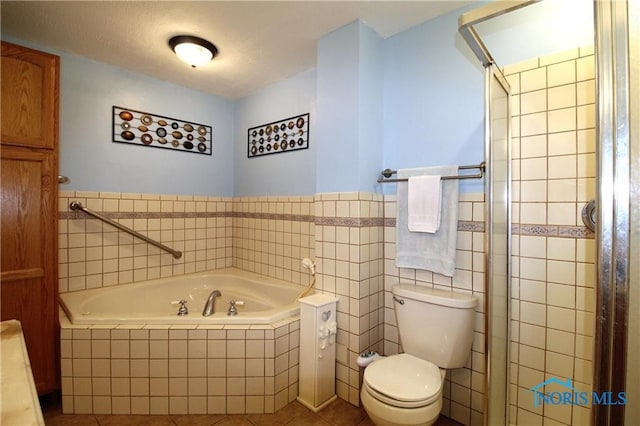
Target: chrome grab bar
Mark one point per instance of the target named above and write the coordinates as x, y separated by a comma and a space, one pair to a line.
76, 205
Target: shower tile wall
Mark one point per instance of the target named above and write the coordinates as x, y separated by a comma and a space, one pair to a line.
464, 387
553, 253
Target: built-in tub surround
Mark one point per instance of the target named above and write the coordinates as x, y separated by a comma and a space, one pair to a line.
179, 369
176, 368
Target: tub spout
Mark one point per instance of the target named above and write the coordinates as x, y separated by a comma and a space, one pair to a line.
208, 307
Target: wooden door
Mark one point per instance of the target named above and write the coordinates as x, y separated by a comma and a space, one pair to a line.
29, 97
28, 205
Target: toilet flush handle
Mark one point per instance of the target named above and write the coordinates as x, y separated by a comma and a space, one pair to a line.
400, 301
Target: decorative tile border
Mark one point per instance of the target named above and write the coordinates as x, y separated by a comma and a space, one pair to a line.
535, 230
186, 215
273, 216
552, 231
353, 222
575, 232
470, 226
463, 225
350, 221
142, 215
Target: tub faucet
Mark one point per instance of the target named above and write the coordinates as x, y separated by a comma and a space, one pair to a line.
208, 307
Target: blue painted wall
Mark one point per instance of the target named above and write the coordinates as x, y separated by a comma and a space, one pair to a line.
350, 114
337, 92
434, 85
93, 162
371, 108
287, 173
415, 99
433, 99
89, 89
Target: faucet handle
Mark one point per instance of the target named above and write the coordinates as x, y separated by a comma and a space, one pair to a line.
182, 310
232, 306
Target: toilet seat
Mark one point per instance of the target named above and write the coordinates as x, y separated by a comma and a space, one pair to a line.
403, 381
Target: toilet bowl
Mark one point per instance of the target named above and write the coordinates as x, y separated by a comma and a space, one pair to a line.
402, 390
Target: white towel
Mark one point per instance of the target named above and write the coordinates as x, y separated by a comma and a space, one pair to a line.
424, 198
420, 250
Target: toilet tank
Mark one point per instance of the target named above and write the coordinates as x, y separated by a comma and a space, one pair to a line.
435, 325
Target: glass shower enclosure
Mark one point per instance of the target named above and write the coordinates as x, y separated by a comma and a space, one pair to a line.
497, 246
498, 216
618, 231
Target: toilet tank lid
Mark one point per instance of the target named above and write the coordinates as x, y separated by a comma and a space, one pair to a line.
435, 296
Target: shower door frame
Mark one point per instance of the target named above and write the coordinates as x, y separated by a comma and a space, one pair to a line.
497, 300
466, 28
618, 158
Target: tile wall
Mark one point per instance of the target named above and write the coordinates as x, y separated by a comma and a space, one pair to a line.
553, 253
271, 236
349, 251
93, 254
266, 235
347, 234
464, 387
342, 232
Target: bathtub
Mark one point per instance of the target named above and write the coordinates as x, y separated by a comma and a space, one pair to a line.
124, 349
265, 300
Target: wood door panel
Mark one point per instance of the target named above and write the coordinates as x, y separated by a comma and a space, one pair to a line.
21, 196
29, 97
28, 279
29, 204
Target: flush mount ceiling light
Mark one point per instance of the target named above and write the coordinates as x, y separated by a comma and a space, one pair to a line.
195, 51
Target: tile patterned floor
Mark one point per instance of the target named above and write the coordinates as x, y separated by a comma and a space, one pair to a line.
339, 413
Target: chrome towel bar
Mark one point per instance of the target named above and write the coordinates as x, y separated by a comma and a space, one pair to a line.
76, 205
386, 174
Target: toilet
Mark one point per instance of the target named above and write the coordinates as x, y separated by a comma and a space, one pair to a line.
436, 332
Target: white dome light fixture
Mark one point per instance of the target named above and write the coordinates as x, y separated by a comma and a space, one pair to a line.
195, 51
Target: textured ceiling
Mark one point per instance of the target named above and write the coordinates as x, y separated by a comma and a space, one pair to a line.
260, 42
